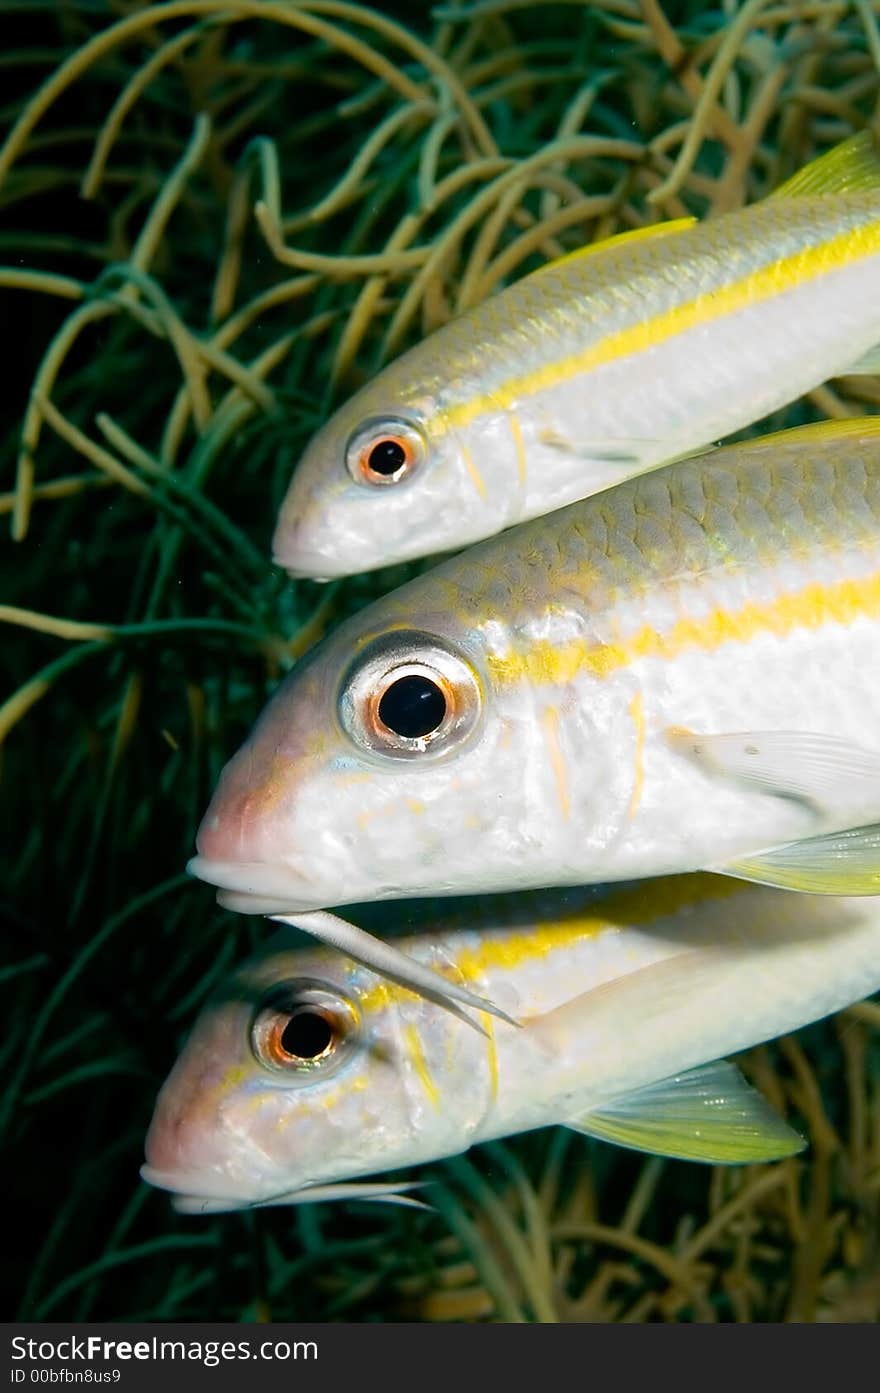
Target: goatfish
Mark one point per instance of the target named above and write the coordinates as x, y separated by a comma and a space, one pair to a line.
608, 362
307, 1071
680, 674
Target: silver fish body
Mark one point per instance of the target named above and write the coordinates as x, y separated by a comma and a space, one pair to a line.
671, 676
615, 995
593, 369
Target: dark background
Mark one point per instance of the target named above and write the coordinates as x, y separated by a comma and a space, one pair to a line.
108, 761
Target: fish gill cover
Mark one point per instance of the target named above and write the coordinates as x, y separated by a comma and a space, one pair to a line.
218, 218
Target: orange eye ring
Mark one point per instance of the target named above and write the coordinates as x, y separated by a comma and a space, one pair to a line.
439, 699
386, 460
410, 696
384, 452
303, 1028
305, 1036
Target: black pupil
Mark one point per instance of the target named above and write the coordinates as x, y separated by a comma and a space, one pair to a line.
412, 706
307, 1035
387, 457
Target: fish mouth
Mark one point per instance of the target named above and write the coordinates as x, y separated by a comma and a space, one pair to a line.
200, 1192
306, 566
255, 887
207, 1199
302, 561
201, 1183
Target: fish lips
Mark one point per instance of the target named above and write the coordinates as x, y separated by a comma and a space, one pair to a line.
301, 564
255, 887
205, 1198
201, 1192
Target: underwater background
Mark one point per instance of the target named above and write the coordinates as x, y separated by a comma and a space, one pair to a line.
218, 217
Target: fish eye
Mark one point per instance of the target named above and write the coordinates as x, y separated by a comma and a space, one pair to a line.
409, 694
303, 1027
384, 451
413, 705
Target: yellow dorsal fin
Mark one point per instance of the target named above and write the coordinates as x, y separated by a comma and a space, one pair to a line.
864, 427
851, 167
620, 239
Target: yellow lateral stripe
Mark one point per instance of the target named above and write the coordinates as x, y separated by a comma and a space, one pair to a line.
413, 1044
634, 906
787, 273
637, 711
839, 602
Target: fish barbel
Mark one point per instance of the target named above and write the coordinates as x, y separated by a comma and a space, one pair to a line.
307, 1071
680, 674
594, 368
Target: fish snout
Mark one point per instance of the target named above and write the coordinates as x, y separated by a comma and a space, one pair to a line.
304, 544
195, 1145
181, 1147
264, 833
234, 825
249, 818
297, 549
169, 1144
246, 852
223, 833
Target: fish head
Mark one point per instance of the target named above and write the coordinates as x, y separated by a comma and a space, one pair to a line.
396, 761
387, 479
306, 1070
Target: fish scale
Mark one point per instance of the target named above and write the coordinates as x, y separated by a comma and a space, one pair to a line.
611, 659
622, 999
553, 315
690, 526
596, 368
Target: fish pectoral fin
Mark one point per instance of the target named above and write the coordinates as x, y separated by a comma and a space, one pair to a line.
627, 450
837, 863
610, 451
853, 166
866, 366
707, 1114
821, 770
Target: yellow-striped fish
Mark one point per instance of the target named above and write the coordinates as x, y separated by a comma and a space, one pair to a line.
679, 674
593, 369
306, 1071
